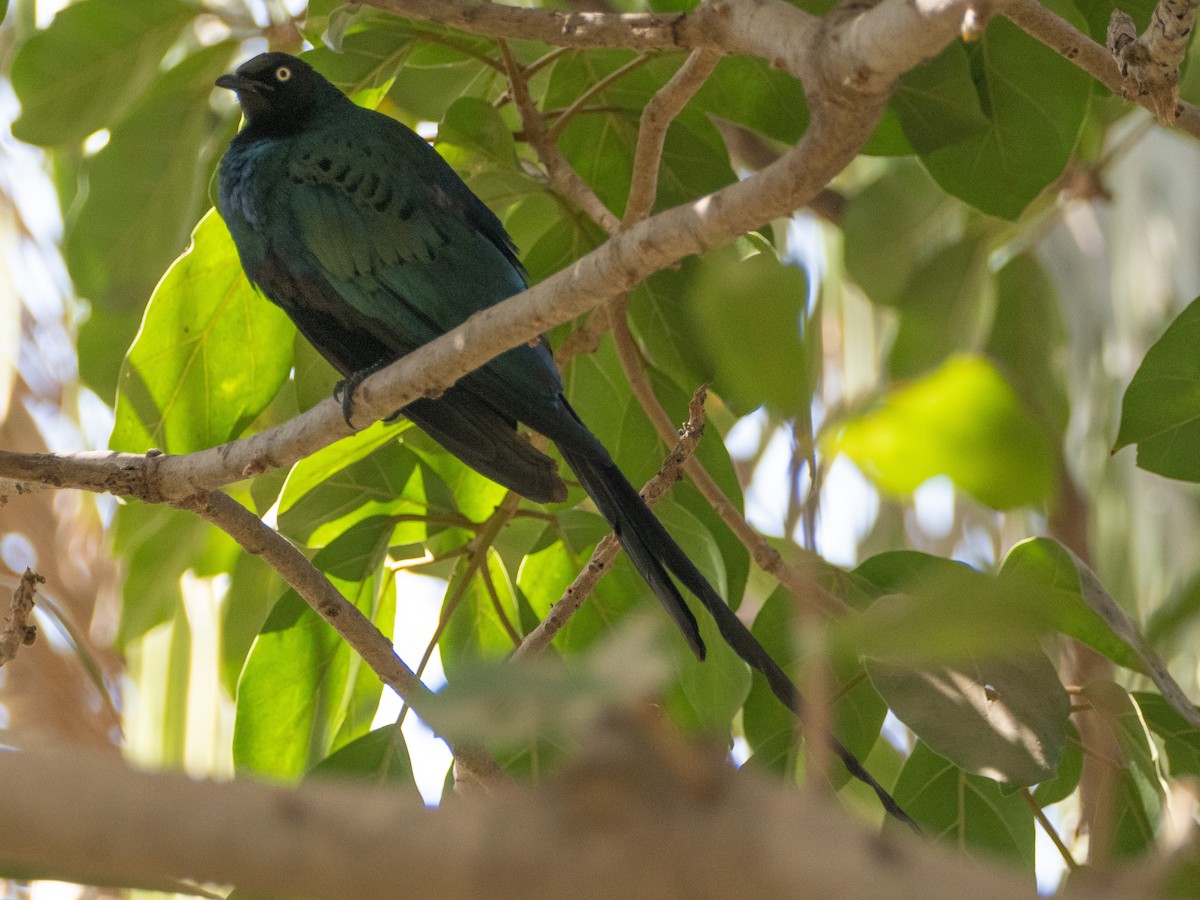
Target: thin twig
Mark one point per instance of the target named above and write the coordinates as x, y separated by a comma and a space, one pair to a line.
476, 550
485, 573
608, 548
1149, 64
1069, 42
601, 84
343, 616
565, 178
17, 632
657, 117
766, 557
1040, 815
584, 339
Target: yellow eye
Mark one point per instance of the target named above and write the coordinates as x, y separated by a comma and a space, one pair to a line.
283, 73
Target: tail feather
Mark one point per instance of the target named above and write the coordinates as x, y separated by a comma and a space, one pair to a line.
657, 556
640, 533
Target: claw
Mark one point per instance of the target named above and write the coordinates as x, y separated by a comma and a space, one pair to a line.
343, 392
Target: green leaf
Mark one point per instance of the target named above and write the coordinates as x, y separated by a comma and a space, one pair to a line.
753, 93
1028, 336
1001, 151
954, 653
938, 104
965, 812
1046, 566
104, 337
962, 420
379, 757
293, 680
749, 315
472, 135
941, 309
1092, 592
253, 589
1136, 787
209, 357
1180, 738
1161, 409
147, 186
1170, 623
893, 226
366, 63
1066, 780
1004, 718
151, 587
660, 314
481, 626
84, 71
296, 693
427, 84
930, 609
367, 474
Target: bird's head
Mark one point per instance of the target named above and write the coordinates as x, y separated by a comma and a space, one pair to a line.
278, 92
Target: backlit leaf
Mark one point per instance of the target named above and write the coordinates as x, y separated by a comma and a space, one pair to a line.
962, 420
209, 357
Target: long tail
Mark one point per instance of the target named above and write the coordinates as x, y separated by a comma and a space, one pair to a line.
656, 556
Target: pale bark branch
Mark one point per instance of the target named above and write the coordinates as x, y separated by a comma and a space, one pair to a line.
667, 103
642, 816
565, 178
17, 632
1069, 42
1149, 64
344, 617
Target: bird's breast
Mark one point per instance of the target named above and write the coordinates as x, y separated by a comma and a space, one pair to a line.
249, 177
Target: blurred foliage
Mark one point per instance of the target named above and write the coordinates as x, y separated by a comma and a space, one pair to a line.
945, 330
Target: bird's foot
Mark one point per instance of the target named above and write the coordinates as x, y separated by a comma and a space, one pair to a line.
344, 390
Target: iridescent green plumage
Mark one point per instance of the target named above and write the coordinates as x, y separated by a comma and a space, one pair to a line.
373, 246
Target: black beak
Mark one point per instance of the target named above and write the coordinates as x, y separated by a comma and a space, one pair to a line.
239, 83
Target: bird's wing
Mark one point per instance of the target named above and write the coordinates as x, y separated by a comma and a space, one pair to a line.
405, 243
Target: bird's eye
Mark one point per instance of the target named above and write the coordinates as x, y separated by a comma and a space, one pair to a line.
283, 73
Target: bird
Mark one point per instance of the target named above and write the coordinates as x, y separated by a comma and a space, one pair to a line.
374, 246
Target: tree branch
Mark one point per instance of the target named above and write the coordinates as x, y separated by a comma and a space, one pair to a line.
1150, 64
657, 117
343, 616
1069, 42
17, 631
680, 822
565, 178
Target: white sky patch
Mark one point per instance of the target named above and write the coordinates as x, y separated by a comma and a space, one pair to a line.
849, 507
744, 436
418, 606
806, 248
767, 493
933, 505
96, 141
46, 10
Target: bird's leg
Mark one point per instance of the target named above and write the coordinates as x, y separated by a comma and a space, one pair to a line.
344, 390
